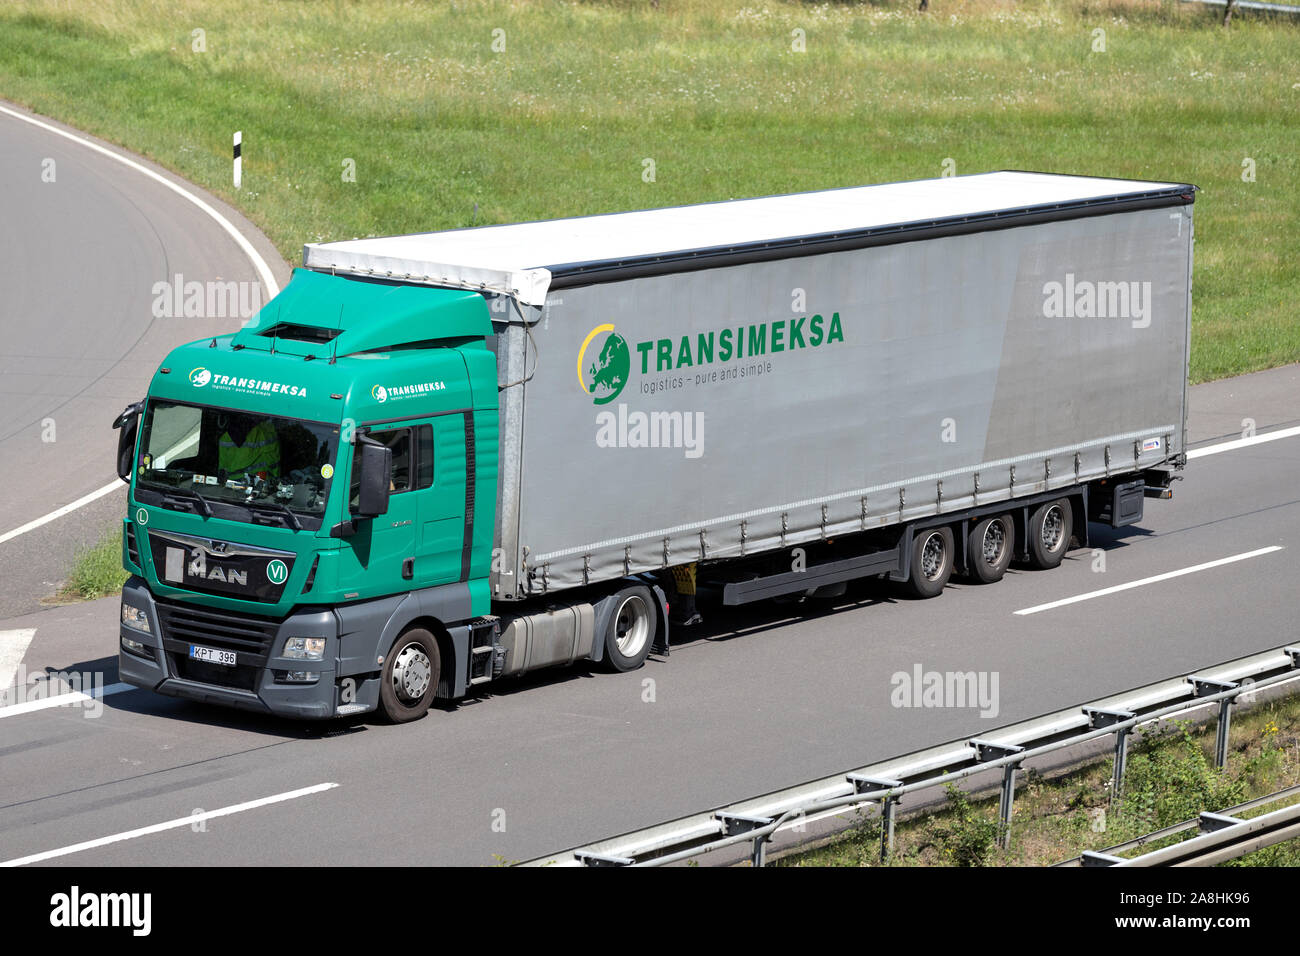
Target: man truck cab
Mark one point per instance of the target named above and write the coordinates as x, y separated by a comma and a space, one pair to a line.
293, 483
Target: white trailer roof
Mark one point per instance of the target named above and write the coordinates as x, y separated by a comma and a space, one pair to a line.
523, 259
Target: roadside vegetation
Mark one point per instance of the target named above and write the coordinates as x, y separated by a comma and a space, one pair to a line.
1171, 778
484, 111
96, 571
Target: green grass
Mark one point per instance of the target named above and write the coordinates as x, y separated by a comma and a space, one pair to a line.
96, 571
1170, 778
445, 132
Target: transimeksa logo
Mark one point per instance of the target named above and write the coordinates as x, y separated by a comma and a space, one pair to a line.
200, 377
382, 393
604, 377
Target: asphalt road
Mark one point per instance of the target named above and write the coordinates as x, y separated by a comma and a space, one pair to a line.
758, 699
79, 259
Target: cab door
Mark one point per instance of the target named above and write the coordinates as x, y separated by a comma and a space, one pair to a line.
442, 472
384, 546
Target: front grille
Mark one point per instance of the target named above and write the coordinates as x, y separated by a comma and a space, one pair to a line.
248, 636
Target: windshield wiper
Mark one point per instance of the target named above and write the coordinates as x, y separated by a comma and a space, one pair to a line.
203, 502
293, 518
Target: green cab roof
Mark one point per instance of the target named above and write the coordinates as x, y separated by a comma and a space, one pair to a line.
332, 316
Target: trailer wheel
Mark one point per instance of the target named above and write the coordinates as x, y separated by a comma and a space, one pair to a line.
410, 676
630, 633
931, 562
1050, 527
989, 548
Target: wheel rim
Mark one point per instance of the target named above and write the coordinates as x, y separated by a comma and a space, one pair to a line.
1053, 528
631, 626
994, 543
932, 556
412, 673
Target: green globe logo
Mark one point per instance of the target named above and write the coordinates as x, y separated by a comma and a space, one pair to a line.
605, 373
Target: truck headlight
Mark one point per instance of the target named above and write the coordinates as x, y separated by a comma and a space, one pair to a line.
305, 648
135, 618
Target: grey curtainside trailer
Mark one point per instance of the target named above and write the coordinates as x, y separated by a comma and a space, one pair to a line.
872, 374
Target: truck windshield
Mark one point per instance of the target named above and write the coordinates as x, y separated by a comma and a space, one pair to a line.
244, 465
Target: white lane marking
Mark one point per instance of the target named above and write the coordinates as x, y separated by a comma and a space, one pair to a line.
189, 439
263, 270
1151, 580
1243, 442
169, 825
81, 502
13, 645
62, 700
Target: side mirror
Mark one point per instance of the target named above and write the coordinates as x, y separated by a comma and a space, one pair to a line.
374, 468
126, 424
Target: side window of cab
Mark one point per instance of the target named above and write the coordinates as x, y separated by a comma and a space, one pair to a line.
412, 460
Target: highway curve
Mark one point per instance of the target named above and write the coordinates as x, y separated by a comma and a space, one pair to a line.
79, 259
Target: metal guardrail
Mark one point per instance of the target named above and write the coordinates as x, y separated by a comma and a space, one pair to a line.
1233, 837
1257, 5
756, 820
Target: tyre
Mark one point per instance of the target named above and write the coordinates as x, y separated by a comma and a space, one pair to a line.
989, 548
931, 562
410, 677
1050, 527
630, 631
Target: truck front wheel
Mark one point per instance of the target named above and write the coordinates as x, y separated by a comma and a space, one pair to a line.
410, 677
630, 632
1050, 527
931, 562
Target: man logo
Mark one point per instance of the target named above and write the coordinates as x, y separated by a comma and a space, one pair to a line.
277, 571
605, 377
200, 377
380, 394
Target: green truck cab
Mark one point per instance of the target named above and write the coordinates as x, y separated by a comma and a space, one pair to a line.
306, 488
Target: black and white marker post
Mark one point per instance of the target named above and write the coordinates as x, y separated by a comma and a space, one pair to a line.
239, 139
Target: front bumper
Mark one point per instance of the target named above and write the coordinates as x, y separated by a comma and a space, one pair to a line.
256, 682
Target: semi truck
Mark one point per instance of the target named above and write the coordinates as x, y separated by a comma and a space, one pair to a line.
437, 461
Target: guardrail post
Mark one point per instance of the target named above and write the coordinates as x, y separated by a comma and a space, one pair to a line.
1205, 686
1121, 763
887, 806
736, 823
1099, 717
985, 751
601, 860
1007, 803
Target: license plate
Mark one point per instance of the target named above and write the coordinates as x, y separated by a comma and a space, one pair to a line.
212, 655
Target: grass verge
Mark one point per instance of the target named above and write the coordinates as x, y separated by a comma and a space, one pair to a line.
96, 571
1171, 777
